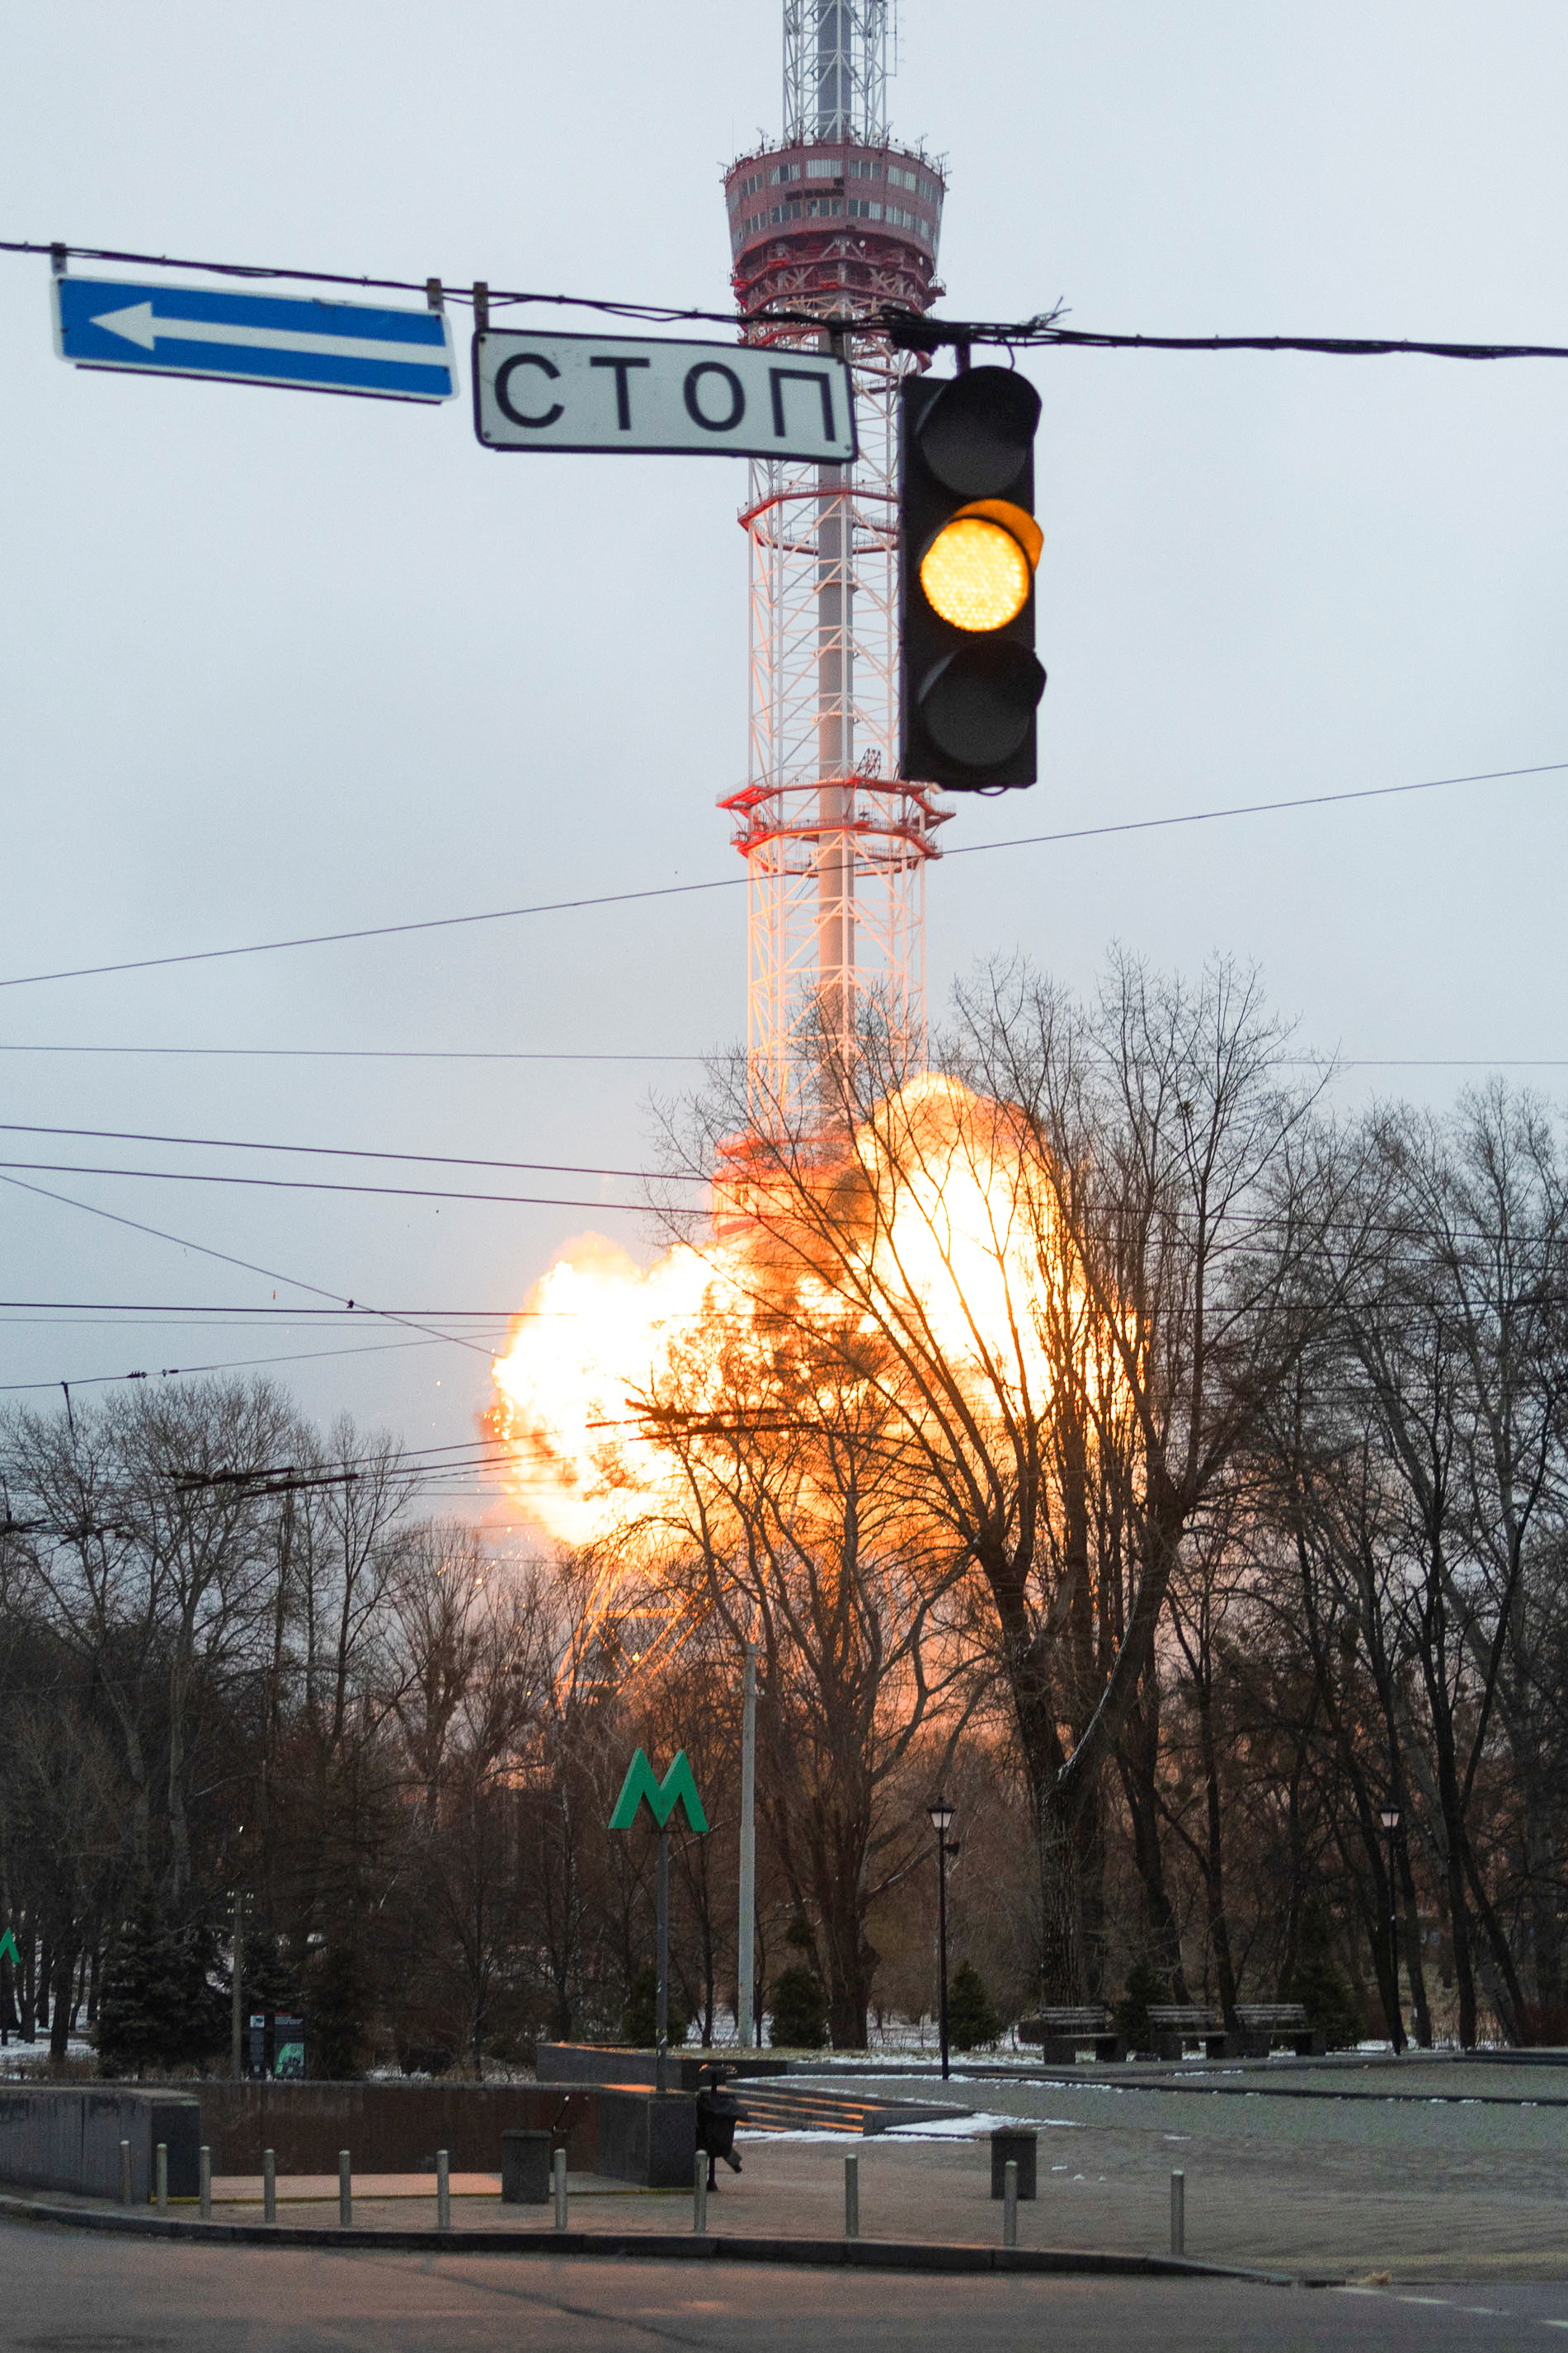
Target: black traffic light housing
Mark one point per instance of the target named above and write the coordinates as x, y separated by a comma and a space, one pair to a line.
969, 697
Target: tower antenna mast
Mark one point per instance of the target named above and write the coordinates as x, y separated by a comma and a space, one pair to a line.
833, 218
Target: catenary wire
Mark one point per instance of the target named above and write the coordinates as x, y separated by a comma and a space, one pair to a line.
913, 329
739, 882
342, 1152
318, 1184
226, 1258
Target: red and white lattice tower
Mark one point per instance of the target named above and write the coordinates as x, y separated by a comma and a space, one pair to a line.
835, 219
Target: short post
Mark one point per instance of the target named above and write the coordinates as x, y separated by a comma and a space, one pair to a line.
125, 2173
558, 2171
205, 2176
852, 2198
1010, 2204
700, 2196
268, 2185
1178, 2213
345, 2190
443, 2189
161, 2175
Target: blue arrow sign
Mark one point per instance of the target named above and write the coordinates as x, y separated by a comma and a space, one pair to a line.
254, 339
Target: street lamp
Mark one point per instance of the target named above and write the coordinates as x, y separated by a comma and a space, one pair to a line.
1389, 1817
940, 1814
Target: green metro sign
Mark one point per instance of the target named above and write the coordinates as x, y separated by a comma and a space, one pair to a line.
8, 1950
661, 1797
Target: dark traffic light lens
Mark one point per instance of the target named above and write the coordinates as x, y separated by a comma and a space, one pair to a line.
978, 431
979, 704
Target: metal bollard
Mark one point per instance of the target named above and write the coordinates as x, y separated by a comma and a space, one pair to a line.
1178, 2213
852, 2198
268, 2185
558, 2172
125, 2173
345, 2191
161, 2176
443, 2190
205, 2179
1010, 2203
700, 2196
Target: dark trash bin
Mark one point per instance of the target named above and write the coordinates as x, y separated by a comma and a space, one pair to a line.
525, 2159
718, 2114
1010, 2148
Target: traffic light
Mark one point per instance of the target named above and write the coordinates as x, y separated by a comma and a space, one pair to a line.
969, 545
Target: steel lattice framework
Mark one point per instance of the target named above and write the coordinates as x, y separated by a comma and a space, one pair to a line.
832, 220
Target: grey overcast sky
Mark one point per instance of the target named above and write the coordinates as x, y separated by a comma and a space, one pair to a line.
277, 664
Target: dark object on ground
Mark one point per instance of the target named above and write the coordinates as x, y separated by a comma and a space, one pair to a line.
800, 2009
1011, 2146
973, 2018
526, 2156
718, 2114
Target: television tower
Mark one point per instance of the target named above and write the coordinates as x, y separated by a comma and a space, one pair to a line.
833, 218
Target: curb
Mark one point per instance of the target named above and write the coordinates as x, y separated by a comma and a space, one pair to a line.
653, 2246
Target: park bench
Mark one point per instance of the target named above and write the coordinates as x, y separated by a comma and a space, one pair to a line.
1186, 2029
1067, 2035
1268, 2026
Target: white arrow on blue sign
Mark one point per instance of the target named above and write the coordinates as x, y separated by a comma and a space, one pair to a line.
254, 339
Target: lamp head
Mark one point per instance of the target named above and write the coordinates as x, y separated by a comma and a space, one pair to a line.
942, 1815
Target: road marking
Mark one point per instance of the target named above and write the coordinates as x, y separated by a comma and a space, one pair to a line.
1440, 2301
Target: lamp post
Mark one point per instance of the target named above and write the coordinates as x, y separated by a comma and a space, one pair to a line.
940, 1814
1389, 1817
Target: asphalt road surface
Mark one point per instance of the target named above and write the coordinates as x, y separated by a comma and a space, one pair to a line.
65, 2292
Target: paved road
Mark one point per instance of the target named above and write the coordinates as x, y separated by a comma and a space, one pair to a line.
61, 2292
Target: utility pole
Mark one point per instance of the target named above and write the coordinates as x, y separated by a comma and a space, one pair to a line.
746, 1942
235, 1994
662, 1967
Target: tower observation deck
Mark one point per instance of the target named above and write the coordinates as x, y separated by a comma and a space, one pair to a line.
835, 219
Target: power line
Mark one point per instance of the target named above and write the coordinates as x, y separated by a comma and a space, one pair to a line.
226, 1258
232, 1365
910, 329
738, 881
342, 1152
353, 1053
316, 1185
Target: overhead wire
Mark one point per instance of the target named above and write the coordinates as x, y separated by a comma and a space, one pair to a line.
911, 330
739, 882
343, 1152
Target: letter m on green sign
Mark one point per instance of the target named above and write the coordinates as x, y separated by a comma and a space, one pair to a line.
8, 1950
662, 1796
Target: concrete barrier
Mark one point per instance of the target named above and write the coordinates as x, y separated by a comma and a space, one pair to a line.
57, 2138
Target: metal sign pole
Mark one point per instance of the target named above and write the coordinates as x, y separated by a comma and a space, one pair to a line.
746, 1942
661, 2013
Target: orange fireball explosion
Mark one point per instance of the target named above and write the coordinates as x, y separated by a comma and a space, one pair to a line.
958, 1236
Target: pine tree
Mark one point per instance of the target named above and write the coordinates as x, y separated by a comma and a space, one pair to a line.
971, 2015
800, 2009
145, 1992
640, 2018
1131, 2014
337, 2012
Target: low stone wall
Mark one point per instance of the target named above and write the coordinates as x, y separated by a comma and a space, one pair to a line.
611, 2063
389, 2127
60, 2138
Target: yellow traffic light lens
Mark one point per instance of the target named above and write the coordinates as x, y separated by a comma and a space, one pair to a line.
975, 573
